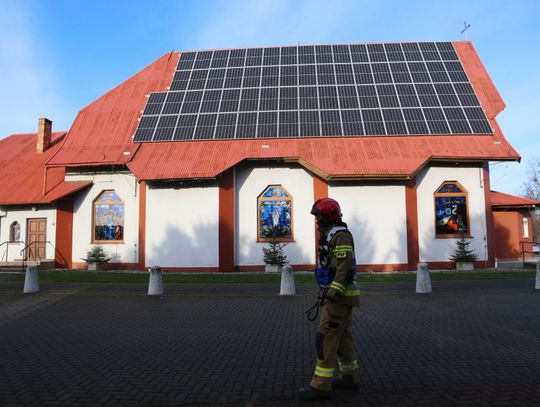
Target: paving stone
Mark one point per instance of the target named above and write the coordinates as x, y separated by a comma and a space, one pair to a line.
469, 343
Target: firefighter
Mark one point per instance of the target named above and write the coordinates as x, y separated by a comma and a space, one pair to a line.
339, 294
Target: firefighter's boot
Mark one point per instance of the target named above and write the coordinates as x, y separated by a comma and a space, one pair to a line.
312, 394
346, 382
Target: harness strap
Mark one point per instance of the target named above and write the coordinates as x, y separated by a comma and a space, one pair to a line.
333, 232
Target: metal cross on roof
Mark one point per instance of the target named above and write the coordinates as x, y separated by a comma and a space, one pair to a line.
465, 28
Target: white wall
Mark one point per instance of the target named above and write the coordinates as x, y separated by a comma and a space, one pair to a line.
376, 216
249, 184
20, 214
428, 180
182, 226
126, 187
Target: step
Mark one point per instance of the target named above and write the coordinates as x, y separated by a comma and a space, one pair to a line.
17, 265
11, 268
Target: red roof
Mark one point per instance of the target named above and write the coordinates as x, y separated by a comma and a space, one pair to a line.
22, 171
487, 93
352, 157
102, 133
502, 199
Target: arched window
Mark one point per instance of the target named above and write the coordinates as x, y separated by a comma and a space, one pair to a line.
108, 218
451, 210
275, 215
15, 232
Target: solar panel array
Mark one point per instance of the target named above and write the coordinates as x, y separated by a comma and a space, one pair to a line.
416, 88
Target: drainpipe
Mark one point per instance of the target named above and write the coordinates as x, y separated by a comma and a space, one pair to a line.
3, 214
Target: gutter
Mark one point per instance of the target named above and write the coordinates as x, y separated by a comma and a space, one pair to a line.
519, 206
180, 181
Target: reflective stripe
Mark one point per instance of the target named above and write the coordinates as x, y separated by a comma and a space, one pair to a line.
352, 290
351, 293
340, 252
348, 366
324, 371
342, 249
337, 286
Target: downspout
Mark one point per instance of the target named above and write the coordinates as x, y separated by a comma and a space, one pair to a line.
3, 214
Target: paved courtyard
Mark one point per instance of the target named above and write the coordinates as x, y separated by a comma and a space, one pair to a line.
472, 343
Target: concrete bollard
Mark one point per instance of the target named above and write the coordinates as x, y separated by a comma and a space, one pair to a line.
287, 281
155, 285
423, 280
31, 280
537, 286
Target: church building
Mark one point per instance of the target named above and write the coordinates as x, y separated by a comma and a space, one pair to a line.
196, 161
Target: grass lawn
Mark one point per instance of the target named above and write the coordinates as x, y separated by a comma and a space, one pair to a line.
258, 278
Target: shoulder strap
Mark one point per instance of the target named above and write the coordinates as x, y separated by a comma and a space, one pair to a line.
333, 232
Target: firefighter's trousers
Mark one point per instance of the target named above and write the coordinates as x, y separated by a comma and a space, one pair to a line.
334, 339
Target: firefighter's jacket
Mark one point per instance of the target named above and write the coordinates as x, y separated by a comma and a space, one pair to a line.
340, 259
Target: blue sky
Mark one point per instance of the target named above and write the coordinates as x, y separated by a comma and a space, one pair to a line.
57, 56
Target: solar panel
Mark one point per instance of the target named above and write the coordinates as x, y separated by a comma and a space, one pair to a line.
416, 88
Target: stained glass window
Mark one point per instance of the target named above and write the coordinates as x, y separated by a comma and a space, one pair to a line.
108, 218
15, 232
449, 187
451, 210
275, 215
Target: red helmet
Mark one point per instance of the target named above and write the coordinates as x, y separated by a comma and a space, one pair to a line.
327, 207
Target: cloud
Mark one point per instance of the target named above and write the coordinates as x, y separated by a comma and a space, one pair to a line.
28, 79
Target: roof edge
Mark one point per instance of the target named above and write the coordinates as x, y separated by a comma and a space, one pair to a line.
488, 94
78, 185
518, 201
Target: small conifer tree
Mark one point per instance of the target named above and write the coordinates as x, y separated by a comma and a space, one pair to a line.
274, 253
96, 255
463, 253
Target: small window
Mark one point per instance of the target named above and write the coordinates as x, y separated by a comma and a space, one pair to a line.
15, 232
525, 227
274, 214
108, 218
451, 210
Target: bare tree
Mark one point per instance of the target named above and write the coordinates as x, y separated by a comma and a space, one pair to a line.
531, 189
